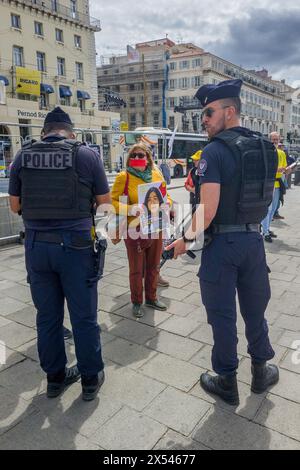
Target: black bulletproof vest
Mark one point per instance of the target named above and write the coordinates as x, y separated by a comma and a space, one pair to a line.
245, 200
51, 187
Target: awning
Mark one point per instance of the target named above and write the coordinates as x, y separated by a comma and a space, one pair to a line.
64, 91
4, 80
46, 88
83, 95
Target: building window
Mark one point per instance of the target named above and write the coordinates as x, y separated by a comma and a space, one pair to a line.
155, 100
143, 121
172, 83
198, 81
54, 5
197, 63
61, 66
38, 28
15, 21
82, 105
131, 87
155, 85
65, 101
59, 35
131, 69
44, 101
155, 119
18, 56
77, 41
132, 102
173, 66
184, 64
171, 103
132, 120
41, 61
73, 7
79, 71
184, 82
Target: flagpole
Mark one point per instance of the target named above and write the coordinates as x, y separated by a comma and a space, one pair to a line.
145, 93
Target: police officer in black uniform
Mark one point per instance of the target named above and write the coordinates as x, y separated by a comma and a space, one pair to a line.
56, 183
237, 172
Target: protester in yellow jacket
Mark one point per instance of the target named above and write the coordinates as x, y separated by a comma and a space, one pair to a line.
282, 163
280, 176
143, 252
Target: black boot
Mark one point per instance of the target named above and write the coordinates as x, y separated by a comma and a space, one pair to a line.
263, 376
58, 382
225, 386
91, 385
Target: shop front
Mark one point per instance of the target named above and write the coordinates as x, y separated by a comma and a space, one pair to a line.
22, 119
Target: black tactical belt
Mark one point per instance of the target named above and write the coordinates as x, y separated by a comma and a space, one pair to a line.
222, 228
57, 238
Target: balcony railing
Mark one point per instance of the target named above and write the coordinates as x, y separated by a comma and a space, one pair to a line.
54, 7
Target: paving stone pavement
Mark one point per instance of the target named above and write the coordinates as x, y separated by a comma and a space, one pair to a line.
151, 398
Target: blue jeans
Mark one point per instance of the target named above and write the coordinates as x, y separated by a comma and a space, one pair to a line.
271, 211
59, 272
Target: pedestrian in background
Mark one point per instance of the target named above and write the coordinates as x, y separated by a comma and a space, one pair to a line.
279, 189
192, 182
283, 184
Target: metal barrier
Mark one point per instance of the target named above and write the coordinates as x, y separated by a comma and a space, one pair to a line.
112, 146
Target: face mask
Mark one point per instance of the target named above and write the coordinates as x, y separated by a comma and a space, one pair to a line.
138, 163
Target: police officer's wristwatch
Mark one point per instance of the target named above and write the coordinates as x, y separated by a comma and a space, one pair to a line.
187, 240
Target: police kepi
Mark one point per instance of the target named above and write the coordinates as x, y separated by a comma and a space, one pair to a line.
57, 182
236, 174
226, 89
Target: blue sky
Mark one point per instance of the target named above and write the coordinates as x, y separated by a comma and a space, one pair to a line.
256, 34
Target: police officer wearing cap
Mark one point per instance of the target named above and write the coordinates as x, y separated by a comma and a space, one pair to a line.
237, 172
56, 183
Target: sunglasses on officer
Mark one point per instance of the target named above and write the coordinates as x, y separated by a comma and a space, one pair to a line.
208, 112
138, 155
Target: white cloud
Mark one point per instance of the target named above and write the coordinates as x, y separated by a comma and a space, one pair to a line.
222, 27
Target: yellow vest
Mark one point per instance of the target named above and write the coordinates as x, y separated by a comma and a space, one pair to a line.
282, 163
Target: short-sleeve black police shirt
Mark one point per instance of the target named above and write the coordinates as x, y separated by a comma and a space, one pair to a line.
216, 164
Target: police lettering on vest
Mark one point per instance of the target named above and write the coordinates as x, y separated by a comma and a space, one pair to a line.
51, 188
46, 161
